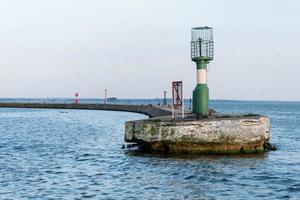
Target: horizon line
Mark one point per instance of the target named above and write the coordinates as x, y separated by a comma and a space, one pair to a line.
213, 99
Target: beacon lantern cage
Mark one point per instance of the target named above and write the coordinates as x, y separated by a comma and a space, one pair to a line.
202, 45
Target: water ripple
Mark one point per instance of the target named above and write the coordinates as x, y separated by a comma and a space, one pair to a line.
54, 154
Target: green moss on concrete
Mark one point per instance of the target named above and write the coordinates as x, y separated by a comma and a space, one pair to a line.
251, 115
153, 130
154, 120
224, 116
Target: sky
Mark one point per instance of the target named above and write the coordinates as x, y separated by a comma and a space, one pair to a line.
136, 48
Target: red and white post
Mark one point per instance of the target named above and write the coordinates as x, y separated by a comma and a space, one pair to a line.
76, 98
105, 96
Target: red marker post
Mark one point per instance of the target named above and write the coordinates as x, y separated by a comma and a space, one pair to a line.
177, 97
76, 98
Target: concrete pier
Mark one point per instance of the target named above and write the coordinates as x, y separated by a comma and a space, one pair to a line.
148, 110
217, 135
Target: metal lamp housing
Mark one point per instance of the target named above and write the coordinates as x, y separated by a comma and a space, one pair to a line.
202, 44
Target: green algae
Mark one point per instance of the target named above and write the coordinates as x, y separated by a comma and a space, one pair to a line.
251, 115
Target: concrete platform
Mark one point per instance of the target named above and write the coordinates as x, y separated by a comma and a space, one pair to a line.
216, 135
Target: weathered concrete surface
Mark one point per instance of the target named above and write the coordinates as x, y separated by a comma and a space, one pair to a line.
218, 135
142, 109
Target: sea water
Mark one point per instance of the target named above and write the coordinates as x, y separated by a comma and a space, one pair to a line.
77, 154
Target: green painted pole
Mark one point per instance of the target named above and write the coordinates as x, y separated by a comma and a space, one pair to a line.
201, 92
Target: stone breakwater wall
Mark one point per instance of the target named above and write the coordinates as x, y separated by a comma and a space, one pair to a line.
142, 109
211, 136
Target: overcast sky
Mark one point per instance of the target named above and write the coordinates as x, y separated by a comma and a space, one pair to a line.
135, 48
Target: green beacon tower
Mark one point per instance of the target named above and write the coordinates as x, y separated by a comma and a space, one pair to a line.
202, 52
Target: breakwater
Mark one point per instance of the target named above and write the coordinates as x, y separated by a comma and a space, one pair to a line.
148, 110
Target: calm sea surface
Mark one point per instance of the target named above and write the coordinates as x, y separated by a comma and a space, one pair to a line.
77, 154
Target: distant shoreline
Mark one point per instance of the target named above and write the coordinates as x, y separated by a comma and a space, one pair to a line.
101, 100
